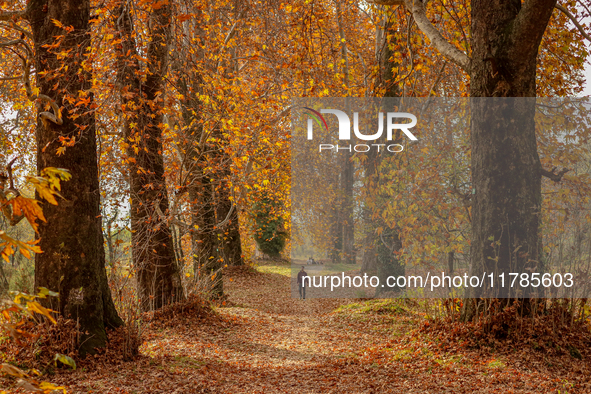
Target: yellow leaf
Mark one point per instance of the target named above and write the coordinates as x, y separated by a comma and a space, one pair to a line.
36, 307
50, 387
62, 358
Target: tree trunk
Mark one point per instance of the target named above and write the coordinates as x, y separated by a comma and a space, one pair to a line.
389, 263
158, 277
347, 178
230, 231
506, 170
73, 258
372, 263
336, 228
450, 262
207, 262
347, 167
207, 248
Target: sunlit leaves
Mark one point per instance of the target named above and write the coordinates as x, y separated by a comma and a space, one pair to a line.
66, 360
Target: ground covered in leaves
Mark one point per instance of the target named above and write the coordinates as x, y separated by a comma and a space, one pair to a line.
264, 341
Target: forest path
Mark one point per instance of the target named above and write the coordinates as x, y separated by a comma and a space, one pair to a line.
269, 342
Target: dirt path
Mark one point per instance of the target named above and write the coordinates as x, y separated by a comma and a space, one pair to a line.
269, 342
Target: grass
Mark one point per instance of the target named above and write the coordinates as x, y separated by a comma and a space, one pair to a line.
452, 359
274, 269
191, 362
496, 364
279, 267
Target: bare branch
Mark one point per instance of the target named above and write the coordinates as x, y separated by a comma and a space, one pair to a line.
437, 79
574, 20
232, 31
227, 218
556, 177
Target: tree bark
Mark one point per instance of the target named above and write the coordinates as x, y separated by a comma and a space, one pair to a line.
230, 231
506, 169
208, 262
73, 258
347, 166
158, 277
374, 256
208, 249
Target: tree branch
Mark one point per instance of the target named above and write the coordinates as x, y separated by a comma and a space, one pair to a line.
5, 206
529, 27
419, 14
573, 20
23, 43
11, 78
11, 15
13, 25
56, 116
556, 177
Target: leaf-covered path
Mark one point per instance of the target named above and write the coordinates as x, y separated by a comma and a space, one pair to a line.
268, 342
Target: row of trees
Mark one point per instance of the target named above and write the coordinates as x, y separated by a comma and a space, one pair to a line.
178, 113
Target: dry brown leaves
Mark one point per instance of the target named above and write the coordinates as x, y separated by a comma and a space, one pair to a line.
44, 341
193, 310
263, 341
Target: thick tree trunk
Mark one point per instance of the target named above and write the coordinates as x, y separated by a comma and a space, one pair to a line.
374, 259
506, 171
158, 277
207, 259
208, 247
73, 258
336, 229
369, 264
230, 231
347, 178
389, 263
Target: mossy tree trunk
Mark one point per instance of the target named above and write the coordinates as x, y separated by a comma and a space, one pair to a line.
73, 258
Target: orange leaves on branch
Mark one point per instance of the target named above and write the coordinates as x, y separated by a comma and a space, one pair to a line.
19, 316
28, 207
9, 244
184, 17
47, 185
61, 26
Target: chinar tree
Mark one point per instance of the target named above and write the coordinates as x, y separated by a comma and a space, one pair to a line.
158, 277
73, 258
506, 169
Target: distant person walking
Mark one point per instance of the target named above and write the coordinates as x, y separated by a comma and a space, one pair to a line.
301, 284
